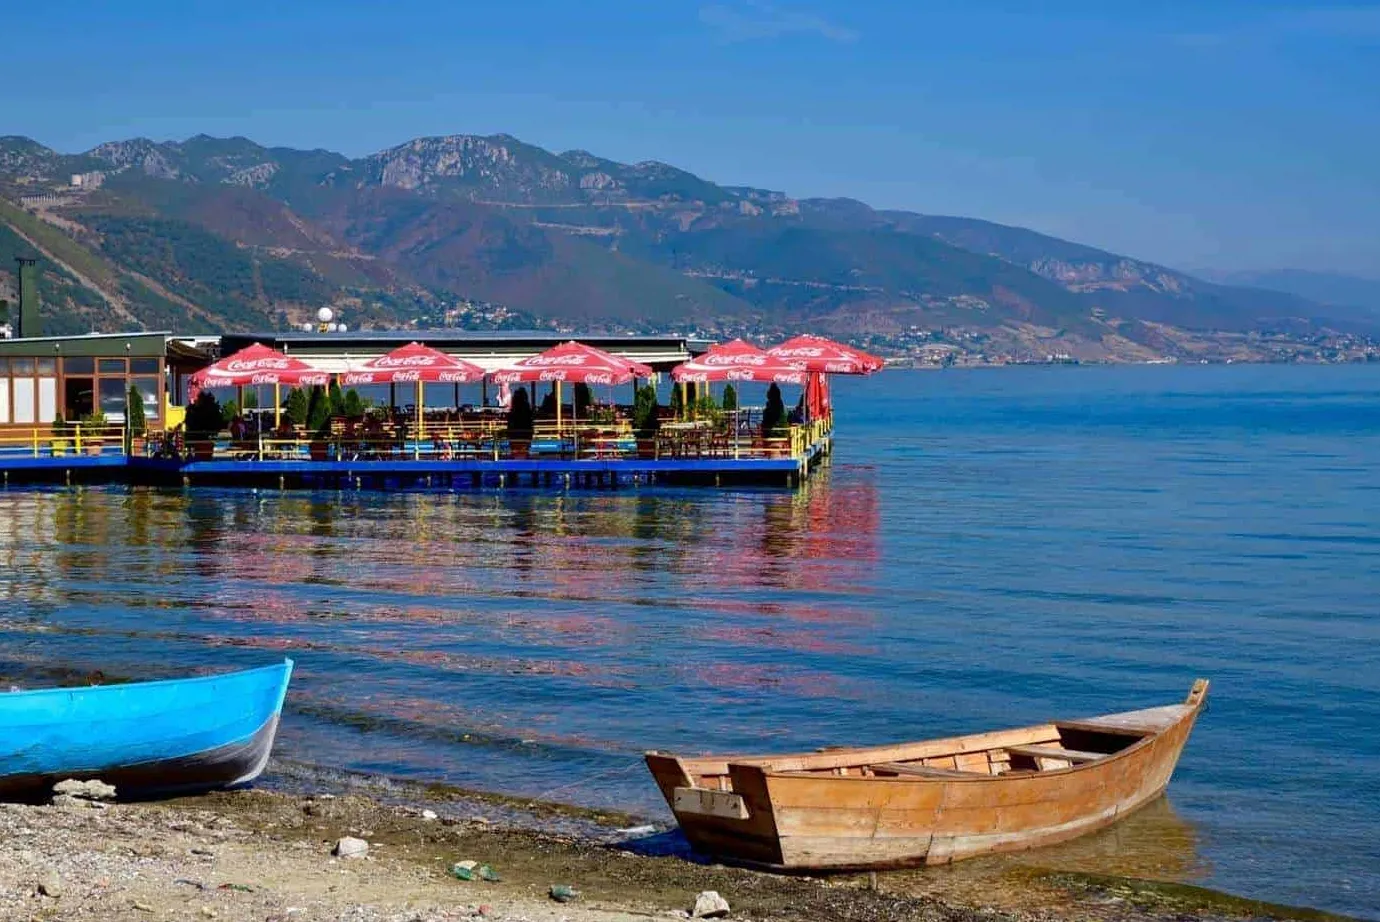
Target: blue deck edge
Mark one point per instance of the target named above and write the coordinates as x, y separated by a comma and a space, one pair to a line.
120, 466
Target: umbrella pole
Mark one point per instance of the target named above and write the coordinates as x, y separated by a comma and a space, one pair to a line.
558, 409
277, 406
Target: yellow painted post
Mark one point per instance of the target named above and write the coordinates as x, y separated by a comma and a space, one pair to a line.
417, 445
35, 437
277, 412
558, 410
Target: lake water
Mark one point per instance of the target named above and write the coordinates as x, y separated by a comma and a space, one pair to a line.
988, 548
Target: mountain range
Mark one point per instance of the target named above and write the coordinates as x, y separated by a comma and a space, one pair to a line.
223, 233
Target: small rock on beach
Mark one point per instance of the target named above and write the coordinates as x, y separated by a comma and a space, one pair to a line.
95, 789
350, 847
709, 905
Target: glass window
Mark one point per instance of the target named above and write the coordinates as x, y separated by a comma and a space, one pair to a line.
4, 367
22, 366
47, 400
24, 401
113, 398
148, 392
112, 366
4, 400
79, 365
78, 398
47, 367
143, 366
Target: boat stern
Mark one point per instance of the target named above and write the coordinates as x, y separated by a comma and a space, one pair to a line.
726, 815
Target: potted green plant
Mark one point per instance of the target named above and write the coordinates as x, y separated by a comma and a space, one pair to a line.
774, 425
295, 409
136, 423
645, 420
61, 435
93, 431
520, 423
319, 423
203, 424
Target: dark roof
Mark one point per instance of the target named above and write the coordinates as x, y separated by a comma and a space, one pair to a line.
455, 337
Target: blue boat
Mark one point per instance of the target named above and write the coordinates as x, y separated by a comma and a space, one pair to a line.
146, 738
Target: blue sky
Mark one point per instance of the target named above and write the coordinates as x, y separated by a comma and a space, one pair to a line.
1213, 133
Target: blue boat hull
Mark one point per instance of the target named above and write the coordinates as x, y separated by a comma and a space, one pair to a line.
147, 738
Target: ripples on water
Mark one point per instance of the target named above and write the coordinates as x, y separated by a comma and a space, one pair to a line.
988, 549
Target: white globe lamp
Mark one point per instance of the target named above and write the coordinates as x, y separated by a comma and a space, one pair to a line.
325, 315
341, 328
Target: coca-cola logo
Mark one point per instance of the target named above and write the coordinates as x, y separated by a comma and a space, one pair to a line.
454, 377
556, 375
406, 377
801, 352
360, 377
405, 361
265, 364
547, 361
727, 361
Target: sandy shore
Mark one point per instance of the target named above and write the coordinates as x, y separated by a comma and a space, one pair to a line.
260, 855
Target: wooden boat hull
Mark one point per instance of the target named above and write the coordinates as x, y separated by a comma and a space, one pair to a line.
926, 803
146, 738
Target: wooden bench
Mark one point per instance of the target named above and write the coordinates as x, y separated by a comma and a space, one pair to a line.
921, 771
1072, 756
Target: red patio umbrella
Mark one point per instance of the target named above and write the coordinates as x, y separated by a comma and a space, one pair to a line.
739, 361
258, 364
414, 362
574, 363
255, 365
816, 353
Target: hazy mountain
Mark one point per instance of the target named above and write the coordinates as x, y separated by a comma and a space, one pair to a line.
1331, 288
252, 235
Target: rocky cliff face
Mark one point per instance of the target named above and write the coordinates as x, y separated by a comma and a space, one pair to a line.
1115, 275
476, 165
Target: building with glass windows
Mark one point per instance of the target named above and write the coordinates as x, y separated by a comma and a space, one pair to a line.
47, 378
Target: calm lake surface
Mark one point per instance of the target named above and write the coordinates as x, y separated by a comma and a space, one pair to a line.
988, 548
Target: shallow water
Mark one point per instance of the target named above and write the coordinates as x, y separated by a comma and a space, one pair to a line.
988, 548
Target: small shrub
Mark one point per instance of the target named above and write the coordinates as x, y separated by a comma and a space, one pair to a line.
135, 420
520, 415
296, 409
204, 420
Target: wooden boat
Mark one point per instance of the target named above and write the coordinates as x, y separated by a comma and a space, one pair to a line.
146, 738
930, 802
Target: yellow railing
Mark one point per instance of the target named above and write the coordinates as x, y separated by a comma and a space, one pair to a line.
489, 440
67, 441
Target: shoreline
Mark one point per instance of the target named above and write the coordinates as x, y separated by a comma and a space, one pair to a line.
265, 854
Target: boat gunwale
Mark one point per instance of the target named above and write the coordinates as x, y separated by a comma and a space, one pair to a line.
1192, 705
287, 664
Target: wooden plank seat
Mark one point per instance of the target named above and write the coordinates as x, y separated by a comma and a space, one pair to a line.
1130, 723
921, 771
1055, 752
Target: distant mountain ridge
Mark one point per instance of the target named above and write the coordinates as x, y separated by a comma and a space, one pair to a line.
1331, 288
262, 235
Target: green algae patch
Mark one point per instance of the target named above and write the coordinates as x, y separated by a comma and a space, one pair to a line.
1164, 897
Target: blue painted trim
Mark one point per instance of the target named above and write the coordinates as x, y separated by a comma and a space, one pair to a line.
61, 462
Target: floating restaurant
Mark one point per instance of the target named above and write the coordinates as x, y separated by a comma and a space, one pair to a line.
433, 408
